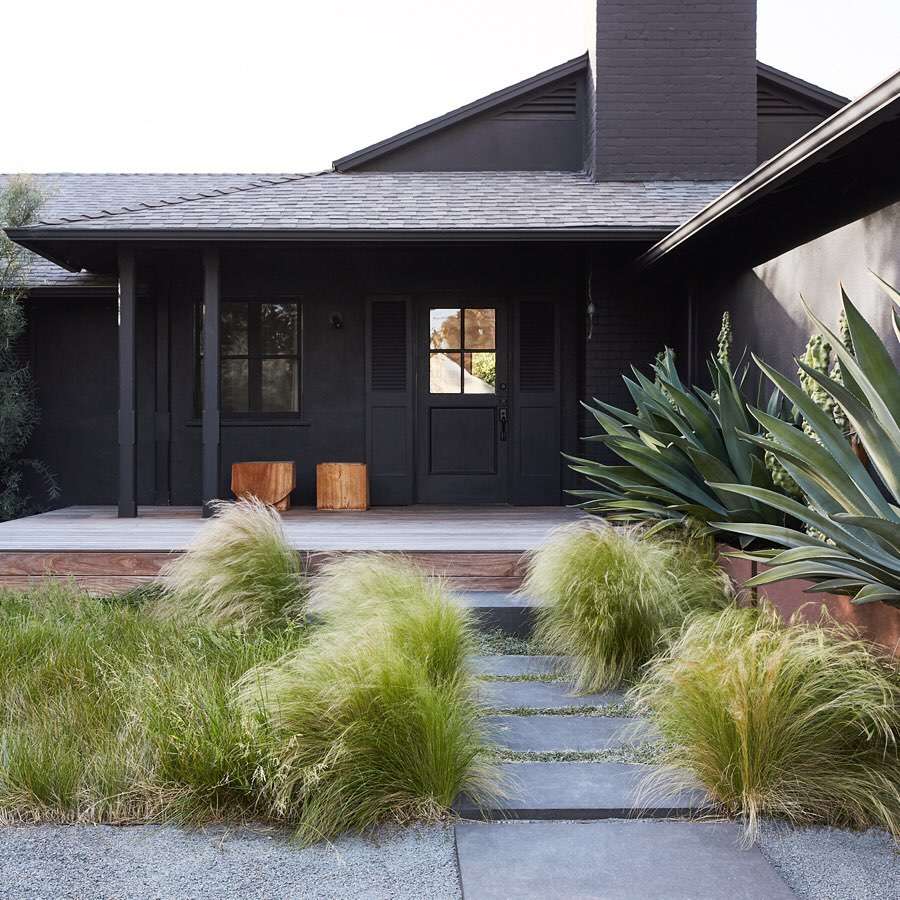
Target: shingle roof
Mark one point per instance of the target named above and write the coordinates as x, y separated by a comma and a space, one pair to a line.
469, 202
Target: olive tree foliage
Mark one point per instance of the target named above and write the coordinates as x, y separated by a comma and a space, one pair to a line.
19, 205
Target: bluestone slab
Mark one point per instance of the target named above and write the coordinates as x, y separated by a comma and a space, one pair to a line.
517, 665
581, 790
541, 695
497, 609
612, 860
542, 734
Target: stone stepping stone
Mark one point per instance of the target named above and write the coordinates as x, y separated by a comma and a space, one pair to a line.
497, 609
517, 665
615, 860
542, 734
581, 790
540, 695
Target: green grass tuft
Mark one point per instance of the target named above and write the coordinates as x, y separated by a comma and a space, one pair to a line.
376, 719
795, 721
110, 715
239, 571
609, 595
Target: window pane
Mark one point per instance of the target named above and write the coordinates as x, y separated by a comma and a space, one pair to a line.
279, 385
234, 329
235, 387
278, 328
446, 374
445, 329
481, 329
481, 373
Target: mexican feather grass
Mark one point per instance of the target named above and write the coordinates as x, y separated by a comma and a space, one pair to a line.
376, 720
775, 719
609, 595
239, 571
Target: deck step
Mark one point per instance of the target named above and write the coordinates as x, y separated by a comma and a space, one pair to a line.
517, 665
582, 790
501, 609
580, 734
501, 695
617, 860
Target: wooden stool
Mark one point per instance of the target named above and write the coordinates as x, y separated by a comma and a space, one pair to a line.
271, 482
342, 486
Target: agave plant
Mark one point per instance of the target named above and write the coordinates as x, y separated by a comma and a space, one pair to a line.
681, 453
857, 513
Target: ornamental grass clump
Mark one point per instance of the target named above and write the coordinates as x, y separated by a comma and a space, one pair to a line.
239, 571
775, 719
376, 719
607, 597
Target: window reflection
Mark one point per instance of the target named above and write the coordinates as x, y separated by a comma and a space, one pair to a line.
462, 347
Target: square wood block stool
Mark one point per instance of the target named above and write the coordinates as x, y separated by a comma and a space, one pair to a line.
271, 482
342, 486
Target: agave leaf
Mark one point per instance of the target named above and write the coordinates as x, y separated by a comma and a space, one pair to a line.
887, 531
834, 586
872, 592
802, 569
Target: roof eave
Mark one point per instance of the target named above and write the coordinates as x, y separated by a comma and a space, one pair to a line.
483, 104
799, 86
840, 129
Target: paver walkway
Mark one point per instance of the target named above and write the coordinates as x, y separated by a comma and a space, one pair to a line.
574, 823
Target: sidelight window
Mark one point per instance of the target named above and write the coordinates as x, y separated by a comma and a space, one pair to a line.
259, 357
463, 350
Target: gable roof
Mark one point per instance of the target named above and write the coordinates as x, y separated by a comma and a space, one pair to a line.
812, 92
879, 107
461, 114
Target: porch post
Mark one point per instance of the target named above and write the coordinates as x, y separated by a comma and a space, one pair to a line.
127, 386
211, 293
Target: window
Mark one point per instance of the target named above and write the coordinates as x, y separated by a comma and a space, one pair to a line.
463, 351
259, 357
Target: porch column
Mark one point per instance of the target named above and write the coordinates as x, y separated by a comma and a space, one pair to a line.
211, 319
127, 386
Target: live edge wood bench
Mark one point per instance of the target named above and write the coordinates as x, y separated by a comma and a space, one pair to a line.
271, 482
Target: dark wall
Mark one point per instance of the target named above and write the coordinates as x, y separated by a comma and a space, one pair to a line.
675, 89
542, 132
764, 301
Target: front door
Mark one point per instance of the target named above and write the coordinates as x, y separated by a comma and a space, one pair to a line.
463, 401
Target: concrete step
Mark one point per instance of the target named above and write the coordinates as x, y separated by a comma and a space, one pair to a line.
582, 790
517, 665
613, 860
502, 695
499, 609
545, 734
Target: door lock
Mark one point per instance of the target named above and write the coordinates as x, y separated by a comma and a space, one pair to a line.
504, 420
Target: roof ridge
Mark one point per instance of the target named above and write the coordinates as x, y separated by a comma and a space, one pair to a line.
207, 194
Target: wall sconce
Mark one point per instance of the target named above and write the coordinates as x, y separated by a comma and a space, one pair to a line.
337, 321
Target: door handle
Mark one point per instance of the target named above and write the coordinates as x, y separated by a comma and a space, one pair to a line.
504, 420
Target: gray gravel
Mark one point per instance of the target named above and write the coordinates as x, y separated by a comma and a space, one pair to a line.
833, 864
150, 861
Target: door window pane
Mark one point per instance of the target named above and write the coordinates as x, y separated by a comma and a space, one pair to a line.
480, 373
480, 330
445, 373
235, 386
445, 329
279, 385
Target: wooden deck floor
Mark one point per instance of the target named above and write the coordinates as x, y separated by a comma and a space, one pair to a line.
408, 528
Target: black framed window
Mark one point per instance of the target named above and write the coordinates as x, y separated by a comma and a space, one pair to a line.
260, 357
462, 352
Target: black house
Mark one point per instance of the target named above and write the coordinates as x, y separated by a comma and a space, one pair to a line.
436, 305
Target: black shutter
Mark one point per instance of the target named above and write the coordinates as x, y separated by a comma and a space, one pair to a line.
537, 346
389, 408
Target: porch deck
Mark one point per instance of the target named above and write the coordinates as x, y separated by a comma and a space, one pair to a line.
476, 547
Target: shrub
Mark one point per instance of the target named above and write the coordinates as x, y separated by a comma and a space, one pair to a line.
110, 715
607, 596
376, 719
785, 720
240, 571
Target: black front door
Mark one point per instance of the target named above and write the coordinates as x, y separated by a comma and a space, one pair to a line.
463, 401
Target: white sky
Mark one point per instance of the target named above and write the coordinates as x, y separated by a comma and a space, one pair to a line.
138, 86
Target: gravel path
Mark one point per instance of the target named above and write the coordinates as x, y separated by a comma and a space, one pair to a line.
833, 864
152, 861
